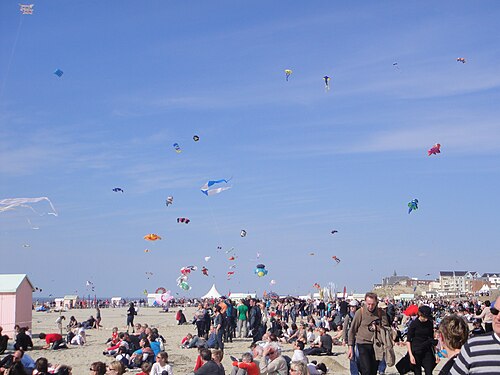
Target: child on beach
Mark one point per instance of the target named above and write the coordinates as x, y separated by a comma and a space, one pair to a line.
146, 368
114, 337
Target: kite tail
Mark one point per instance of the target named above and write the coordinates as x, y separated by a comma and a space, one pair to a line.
53, 209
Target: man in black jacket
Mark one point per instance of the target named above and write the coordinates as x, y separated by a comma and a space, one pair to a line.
255, 320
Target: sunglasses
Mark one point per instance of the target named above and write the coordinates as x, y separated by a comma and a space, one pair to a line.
494, 311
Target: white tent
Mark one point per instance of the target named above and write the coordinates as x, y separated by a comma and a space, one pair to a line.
212, 293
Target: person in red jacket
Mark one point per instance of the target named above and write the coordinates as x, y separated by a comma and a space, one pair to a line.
54, 341
247, 364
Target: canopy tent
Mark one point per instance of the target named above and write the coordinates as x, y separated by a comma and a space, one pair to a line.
212, 293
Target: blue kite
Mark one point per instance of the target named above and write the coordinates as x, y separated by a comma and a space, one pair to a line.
413, 205
58, 72
214, 187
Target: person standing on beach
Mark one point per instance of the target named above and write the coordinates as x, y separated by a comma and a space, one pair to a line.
219, 325
131, 313
199, 317
242, 319
97, 318
59, 322
362, 333
255, 320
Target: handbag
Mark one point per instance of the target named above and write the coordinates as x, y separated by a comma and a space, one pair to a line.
404, 365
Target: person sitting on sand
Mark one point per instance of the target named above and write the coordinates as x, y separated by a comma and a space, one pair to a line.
79, 337
53, 341
123, 356
180, 317
245, 366
89, 323
116, 367
217, 355
144, 354
114, 337
212, 339
146, 368
208, 367
23, 341
185, 340
73, 323
162, 367
98, 368
112, 350
41, 366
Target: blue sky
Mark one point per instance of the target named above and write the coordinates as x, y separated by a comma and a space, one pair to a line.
140, 76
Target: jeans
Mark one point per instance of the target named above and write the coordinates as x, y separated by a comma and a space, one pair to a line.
353, 362
220, 342
382, 366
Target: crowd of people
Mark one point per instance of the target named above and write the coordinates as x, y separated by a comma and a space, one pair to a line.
465, 334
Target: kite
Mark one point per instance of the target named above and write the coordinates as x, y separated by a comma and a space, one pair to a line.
312, 254
149, 274
117, 189
184, 220
147, 250
316, 286
196, 138
336, 259
26, 245
207, 259
12, 203
272, 282
260, 270
145, 292
230, 250
231, 258
26, 8
434, 150
164, 298
169, 201
219, 247
204, 270
177, 148
160, 290
461, 59
152, 237
232, 266
187, 270
258, 255
327, 83
334, 231
229, 274
38, 289
58, 72
413, 205
288, 73
182, 283
243, 233
213, 187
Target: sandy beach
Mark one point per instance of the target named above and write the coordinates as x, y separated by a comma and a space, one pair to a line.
183, 359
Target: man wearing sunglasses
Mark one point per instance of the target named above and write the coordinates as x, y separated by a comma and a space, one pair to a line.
481, 354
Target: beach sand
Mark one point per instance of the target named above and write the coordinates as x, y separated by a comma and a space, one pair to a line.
183, 360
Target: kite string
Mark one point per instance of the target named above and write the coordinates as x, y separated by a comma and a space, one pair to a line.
4, 83
215, 221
